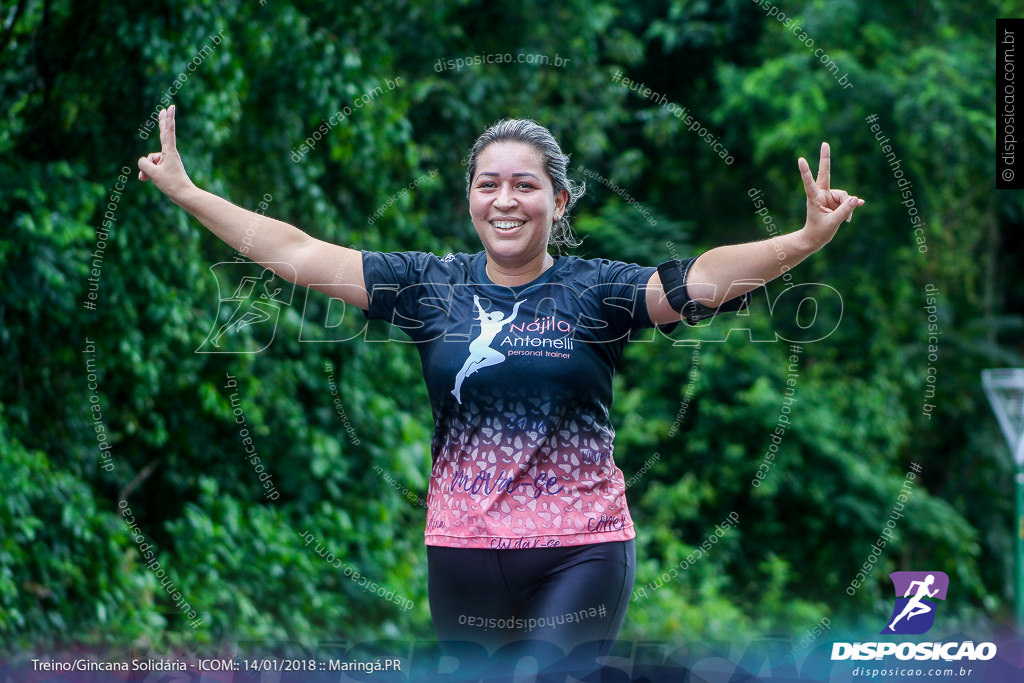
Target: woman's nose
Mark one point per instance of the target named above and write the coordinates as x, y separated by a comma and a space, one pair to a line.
505, 197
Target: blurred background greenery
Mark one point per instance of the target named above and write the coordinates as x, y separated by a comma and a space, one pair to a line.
78, 81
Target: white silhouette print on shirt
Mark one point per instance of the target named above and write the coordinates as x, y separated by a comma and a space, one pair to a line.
481, 355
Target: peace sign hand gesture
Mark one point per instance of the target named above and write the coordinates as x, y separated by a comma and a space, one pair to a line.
164, 168
826, 207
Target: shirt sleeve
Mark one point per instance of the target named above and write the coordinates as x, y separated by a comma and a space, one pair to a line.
624, 297
673, 280
399, 285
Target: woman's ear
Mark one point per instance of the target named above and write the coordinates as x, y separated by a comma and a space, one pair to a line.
561, 201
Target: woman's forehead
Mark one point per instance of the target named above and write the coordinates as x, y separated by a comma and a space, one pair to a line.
508, 158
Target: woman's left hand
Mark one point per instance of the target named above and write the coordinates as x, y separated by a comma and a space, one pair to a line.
826, 207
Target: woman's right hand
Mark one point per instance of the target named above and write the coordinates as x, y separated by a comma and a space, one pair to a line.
164, 168
292, 254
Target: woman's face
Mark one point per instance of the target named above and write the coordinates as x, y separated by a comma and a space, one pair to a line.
512, 201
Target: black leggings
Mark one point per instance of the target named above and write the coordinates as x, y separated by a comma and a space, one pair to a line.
521, 602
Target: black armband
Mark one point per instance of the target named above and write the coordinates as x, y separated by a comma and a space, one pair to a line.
673, 280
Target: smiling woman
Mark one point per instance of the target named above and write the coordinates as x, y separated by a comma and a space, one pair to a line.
526, 511
552, 168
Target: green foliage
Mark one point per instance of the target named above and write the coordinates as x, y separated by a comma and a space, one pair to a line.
67, 566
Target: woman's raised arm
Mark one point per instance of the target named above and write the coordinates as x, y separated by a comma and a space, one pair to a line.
289, 252
727, 272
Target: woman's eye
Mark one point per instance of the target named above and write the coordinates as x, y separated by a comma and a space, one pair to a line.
490, 185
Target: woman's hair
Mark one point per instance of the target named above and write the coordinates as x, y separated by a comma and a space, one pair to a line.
555, 162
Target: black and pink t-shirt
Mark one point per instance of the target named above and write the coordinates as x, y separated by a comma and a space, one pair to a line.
520, 383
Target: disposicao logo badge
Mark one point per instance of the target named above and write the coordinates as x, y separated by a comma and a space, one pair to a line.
917, 596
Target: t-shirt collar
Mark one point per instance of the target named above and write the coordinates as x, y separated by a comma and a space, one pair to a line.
480, 274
